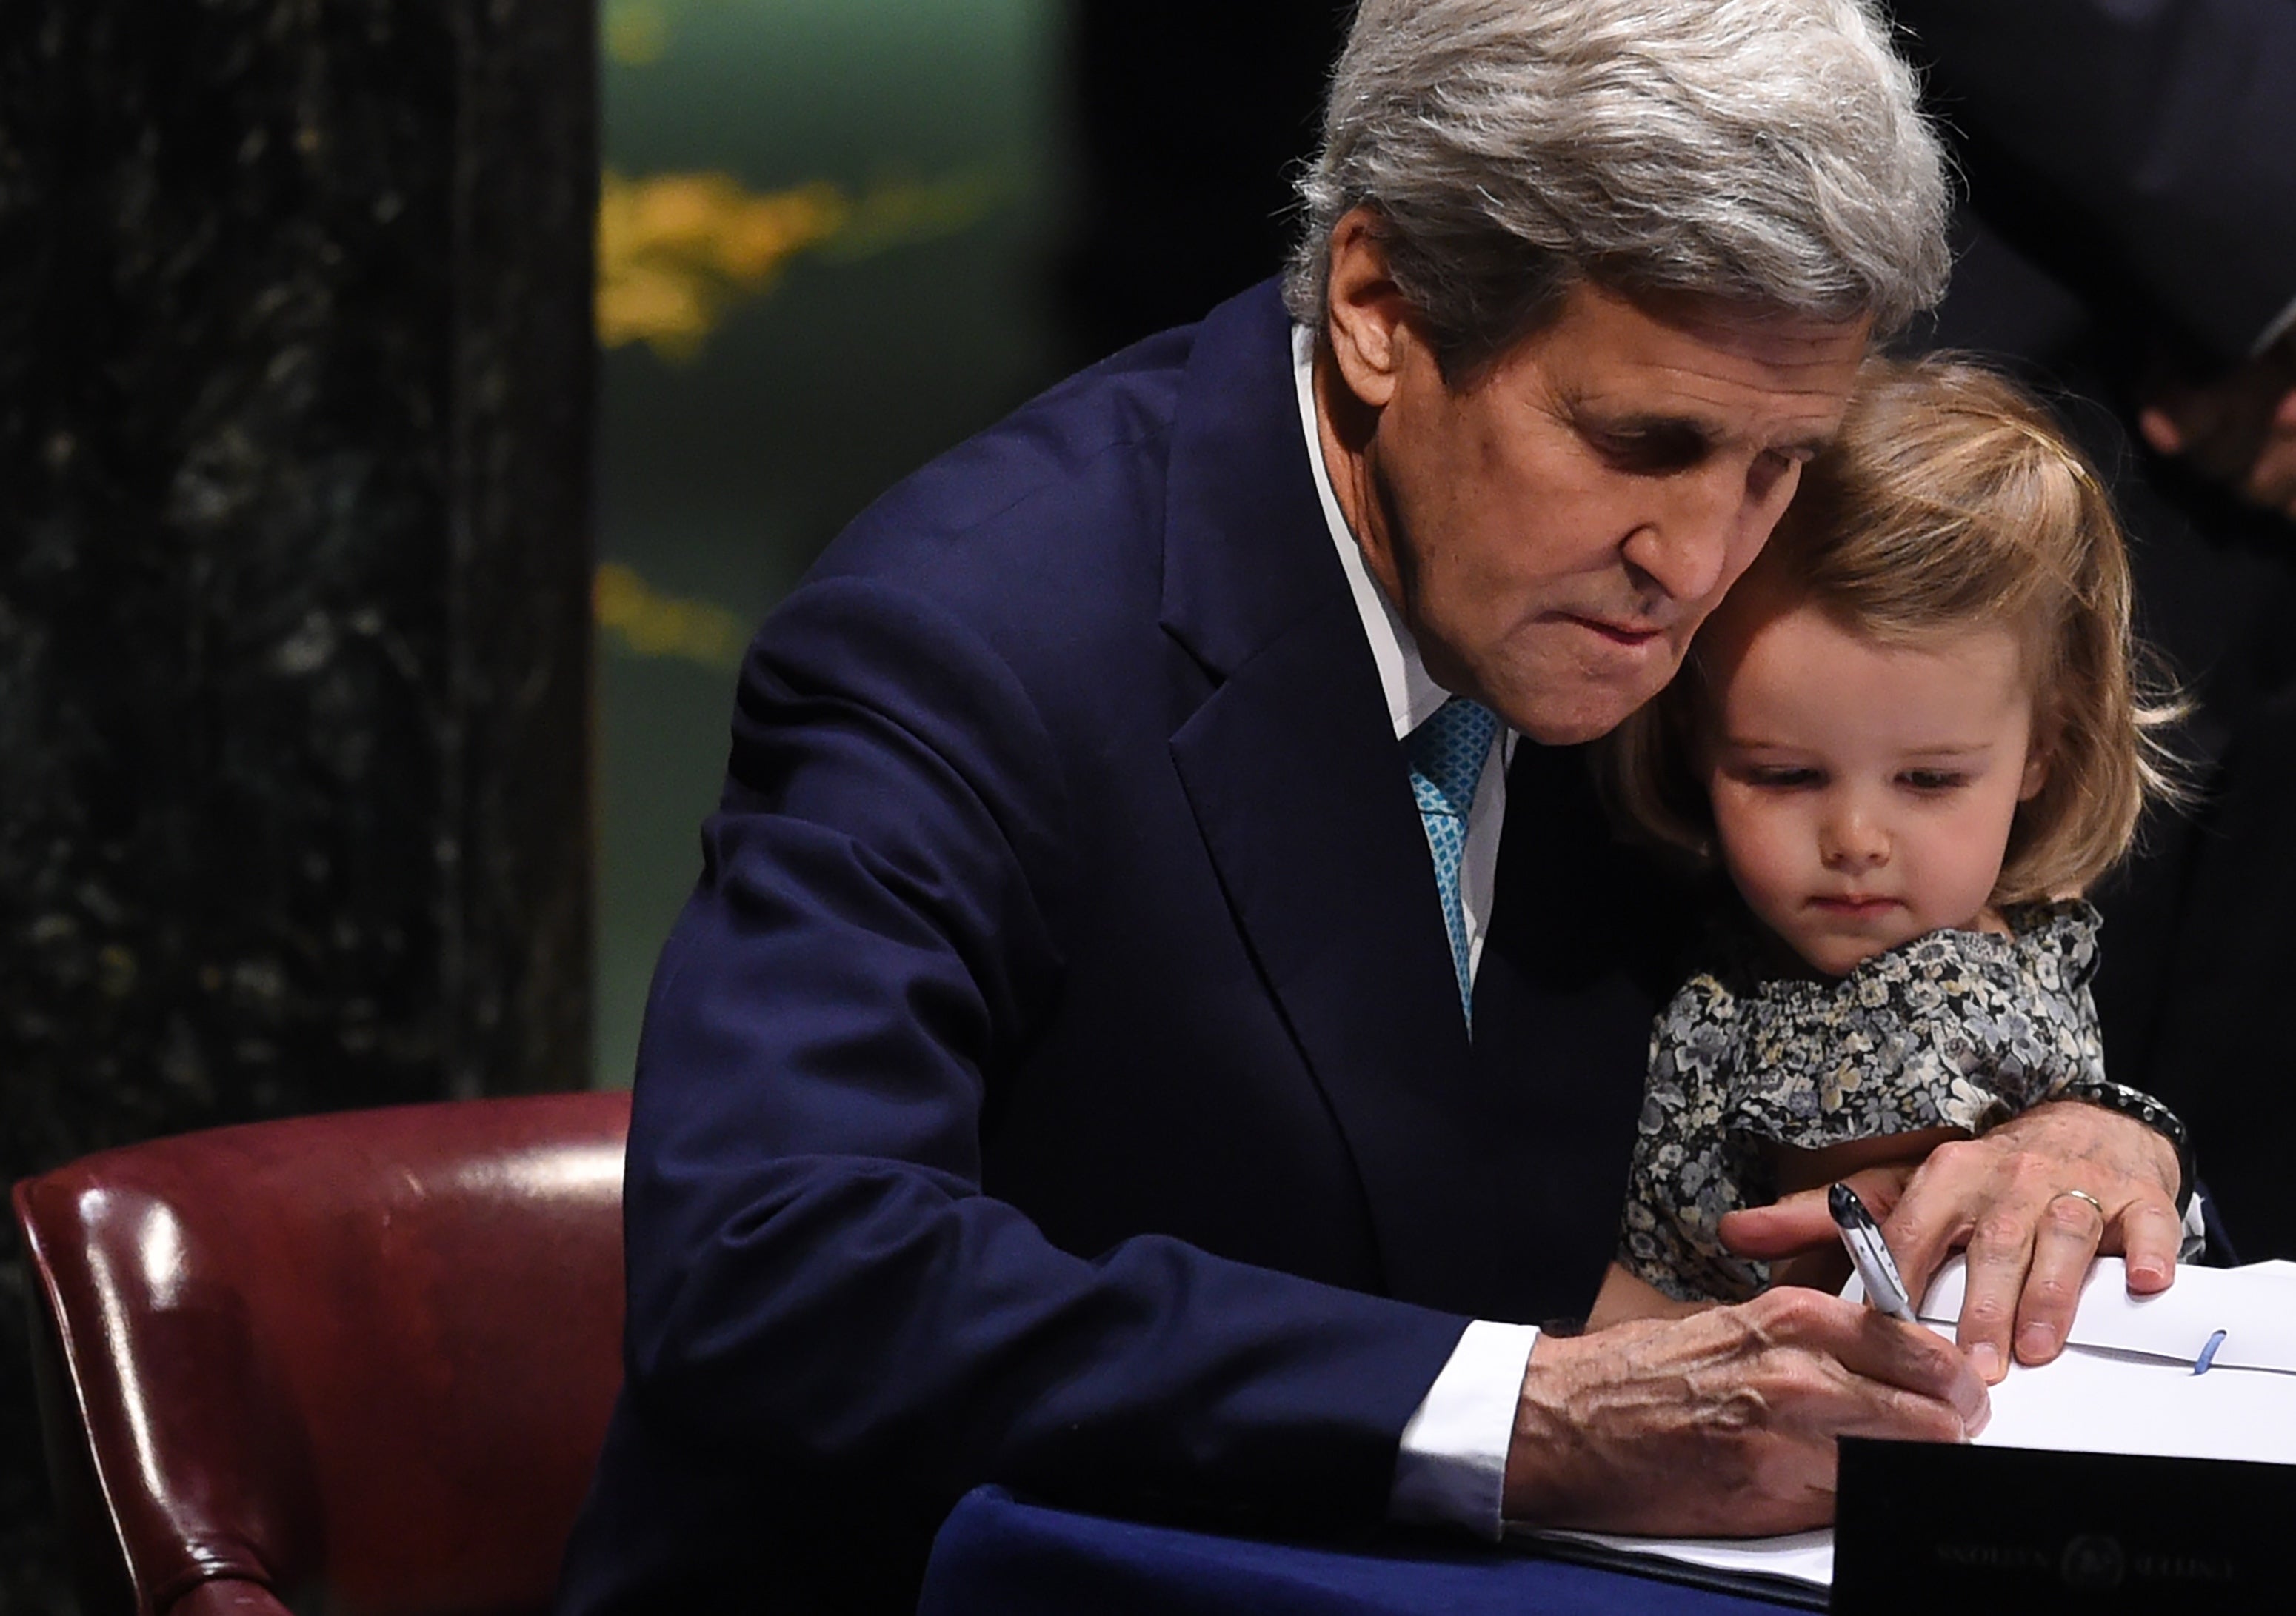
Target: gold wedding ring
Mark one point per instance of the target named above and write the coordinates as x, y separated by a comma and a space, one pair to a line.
2085, 1195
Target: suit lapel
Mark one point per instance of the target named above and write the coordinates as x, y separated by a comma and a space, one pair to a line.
1302, 794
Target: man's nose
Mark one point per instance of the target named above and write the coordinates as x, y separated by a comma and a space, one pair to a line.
1686, 547
1851, 839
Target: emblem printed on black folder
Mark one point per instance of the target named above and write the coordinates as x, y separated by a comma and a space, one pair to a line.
2093, 1561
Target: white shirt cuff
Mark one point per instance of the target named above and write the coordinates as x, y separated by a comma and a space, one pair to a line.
1451, 1466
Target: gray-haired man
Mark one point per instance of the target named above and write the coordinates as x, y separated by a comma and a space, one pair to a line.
1138, 1036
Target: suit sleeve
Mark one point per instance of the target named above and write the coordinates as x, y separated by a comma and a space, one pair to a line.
817, 1281
2138, 149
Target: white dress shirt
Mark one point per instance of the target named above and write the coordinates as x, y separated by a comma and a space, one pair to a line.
1452, 1459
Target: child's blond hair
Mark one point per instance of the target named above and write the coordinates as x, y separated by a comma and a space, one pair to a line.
1951, 500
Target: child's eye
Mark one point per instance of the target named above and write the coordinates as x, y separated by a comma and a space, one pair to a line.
1781, 777
1934, 779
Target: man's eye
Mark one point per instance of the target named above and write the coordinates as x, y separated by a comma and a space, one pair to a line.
1653, 452
1934, 779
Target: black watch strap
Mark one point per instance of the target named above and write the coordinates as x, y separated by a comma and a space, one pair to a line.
2136, 1104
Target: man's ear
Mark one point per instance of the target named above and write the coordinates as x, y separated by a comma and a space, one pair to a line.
1365, 313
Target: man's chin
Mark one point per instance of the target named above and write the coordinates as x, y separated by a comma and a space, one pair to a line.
1549, 729
1554, 734
1589, 715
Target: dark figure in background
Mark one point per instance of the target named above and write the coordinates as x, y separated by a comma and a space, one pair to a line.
2130, 241
1193, 119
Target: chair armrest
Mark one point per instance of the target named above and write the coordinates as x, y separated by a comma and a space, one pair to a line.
228, 1596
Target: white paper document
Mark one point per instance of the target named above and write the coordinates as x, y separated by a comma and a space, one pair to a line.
2125, 1384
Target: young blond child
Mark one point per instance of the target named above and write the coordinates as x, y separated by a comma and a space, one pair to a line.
1912, 736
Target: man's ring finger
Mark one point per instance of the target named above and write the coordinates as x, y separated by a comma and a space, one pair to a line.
2084, 1195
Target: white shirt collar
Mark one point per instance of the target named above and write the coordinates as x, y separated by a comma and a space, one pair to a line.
1411, 696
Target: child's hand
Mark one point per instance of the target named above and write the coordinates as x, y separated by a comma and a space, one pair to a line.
1878, 1168
1796, 1235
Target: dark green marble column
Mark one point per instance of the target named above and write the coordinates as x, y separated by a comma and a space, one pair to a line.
295, 401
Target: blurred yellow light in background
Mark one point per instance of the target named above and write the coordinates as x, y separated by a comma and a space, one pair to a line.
637, 32
645, 622
677, 252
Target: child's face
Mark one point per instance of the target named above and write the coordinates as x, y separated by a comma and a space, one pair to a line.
1862, 792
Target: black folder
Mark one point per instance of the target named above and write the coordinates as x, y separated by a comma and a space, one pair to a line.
1940, 1528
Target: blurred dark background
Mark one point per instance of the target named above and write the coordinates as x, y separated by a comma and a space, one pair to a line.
295, 386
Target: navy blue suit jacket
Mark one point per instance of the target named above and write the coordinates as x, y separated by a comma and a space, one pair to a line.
1058, 1078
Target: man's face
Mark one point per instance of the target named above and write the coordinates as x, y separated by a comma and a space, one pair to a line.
1554, 532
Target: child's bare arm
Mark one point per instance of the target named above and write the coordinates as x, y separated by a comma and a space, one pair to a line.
1624, 1296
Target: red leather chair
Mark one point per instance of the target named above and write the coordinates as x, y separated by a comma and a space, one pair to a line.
368, 1356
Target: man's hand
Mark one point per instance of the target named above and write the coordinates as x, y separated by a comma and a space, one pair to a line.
1723, 1422
2238, 429
2007, 1198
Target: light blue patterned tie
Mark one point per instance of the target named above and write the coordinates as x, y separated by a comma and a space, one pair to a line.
1447, 756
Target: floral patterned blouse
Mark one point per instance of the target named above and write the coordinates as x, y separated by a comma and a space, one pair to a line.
1953, 1030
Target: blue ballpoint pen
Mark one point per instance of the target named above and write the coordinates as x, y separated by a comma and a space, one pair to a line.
1875, 1268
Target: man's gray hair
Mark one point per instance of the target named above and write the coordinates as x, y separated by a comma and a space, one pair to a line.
1771, 153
